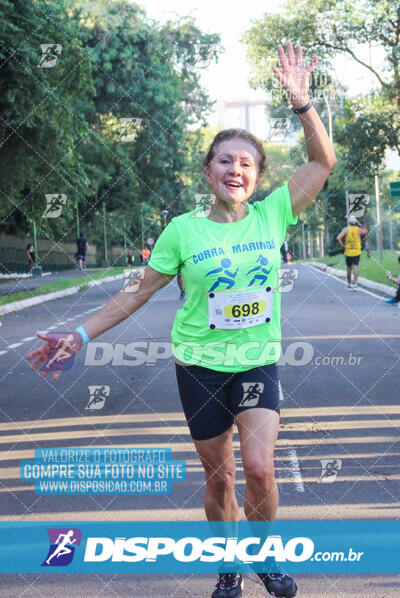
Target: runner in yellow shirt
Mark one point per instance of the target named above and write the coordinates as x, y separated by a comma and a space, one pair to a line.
352, 249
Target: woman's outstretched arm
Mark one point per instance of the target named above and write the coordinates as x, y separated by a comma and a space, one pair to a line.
308, 180
134, 294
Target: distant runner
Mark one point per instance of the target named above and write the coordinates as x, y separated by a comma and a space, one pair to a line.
82, 247
352, 249
145, 255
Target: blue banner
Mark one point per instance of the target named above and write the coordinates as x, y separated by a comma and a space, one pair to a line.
353, 547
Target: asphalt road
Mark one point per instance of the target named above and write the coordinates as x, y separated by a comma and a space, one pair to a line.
8, 286
339, 375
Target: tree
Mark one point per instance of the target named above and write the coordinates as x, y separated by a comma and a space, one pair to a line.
62, 127
143, 72
328, 28
43, 112
365, 127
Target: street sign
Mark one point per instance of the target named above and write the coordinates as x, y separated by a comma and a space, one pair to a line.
395, 189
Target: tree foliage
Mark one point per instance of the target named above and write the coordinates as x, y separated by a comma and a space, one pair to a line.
364, 127
41, 109
62, 129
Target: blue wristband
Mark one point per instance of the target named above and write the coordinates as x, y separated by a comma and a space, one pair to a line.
80, 330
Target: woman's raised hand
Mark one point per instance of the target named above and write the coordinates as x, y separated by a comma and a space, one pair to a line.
57, 354
294, 77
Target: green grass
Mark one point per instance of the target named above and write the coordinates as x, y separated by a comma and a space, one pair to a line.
371, 268
60, 285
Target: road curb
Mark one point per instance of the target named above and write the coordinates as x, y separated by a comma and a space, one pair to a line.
24, 303
363, 282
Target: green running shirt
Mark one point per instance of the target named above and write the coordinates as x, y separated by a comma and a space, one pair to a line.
231, 319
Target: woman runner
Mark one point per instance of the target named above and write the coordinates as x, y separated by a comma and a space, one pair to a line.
226, 338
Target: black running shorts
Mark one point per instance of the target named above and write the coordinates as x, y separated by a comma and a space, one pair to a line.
211, 399
352, 260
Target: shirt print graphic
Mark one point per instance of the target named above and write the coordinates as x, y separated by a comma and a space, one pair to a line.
228, 276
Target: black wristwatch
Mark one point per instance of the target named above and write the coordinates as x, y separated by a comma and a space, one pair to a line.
303, 109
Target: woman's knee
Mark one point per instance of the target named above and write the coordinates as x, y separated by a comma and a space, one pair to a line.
221, 477
260, 474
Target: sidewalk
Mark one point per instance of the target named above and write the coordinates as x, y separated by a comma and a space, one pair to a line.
16, 285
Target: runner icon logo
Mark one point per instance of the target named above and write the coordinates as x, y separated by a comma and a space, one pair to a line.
286, 280
204, 201
251, 393
98, 396
330, 469
129, 129
55, 203
132, 280
62, 546
50, 54
278, 129
63, 348
357, 204
202, 54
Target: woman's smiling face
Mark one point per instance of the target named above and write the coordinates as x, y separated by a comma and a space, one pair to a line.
233, 171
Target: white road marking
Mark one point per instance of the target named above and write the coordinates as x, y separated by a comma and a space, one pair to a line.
295, 470
31, 338
292, 457
345, 282
2, 352
281, 395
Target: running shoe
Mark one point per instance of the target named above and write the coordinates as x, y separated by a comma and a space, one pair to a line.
355, 287
349, 287
391, 300
229, 585
182, 295
279, 584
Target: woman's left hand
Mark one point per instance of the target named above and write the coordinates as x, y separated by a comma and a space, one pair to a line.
294, 77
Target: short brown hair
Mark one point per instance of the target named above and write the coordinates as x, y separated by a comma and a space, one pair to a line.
229, 134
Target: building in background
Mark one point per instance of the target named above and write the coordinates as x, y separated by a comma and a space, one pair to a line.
251, 115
